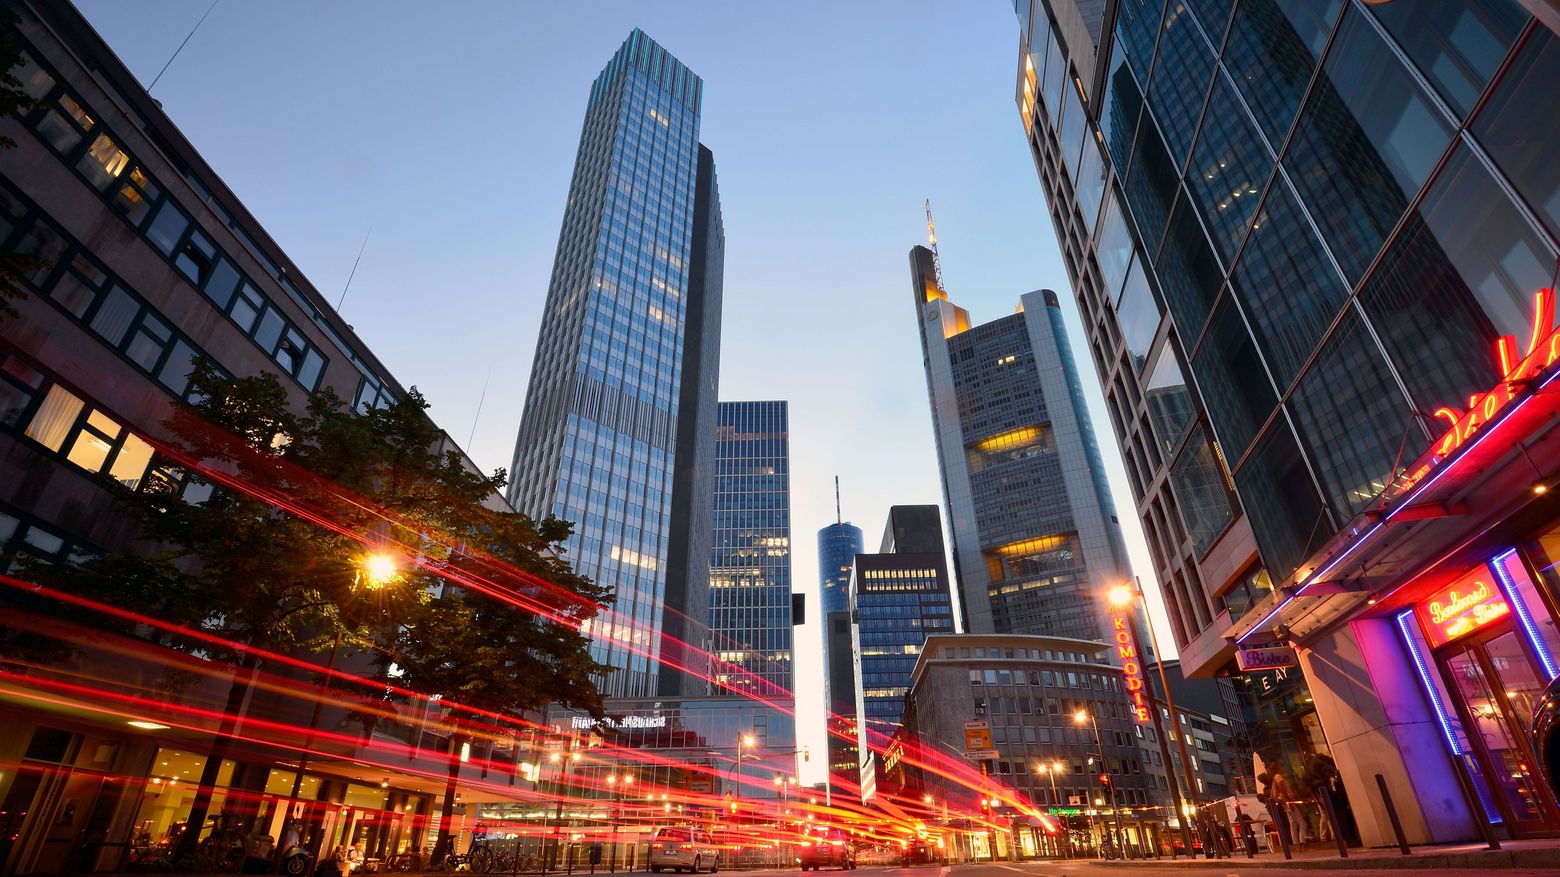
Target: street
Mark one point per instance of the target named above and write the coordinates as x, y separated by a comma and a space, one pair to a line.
1093, 868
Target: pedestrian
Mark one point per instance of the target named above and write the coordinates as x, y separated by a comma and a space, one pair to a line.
1285, 798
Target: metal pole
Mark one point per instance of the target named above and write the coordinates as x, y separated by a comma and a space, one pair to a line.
279, 850
1397, 824
1110, 787
1175, 717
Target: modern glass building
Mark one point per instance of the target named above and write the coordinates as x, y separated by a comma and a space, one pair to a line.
619, 425
899, 598
1034, 529
1307, 239
750, 560
838, 545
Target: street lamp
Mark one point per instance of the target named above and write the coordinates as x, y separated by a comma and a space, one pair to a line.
1122, 597
1110, 787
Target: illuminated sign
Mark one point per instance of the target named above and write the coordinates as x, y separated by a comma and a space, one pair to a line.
1543, 351
1249, 660
1131, 666
586, 722
1466, 605
1064, 811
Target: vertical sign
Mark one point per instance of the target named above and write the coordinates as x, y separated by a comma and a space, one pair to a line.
1131, 665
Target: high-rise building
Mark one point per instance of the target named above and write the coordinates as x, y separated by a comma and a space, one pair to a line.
1034, 529
618, 432
900, 596
1304, 238
838, 545
750, 560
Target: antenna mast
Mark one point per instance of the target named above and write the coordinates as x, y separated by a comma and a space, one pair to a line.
931, 234
838, 518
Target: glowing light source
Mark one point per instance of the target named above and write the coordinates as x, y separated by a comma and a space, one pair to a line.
378, 569
147, 726
1120, 596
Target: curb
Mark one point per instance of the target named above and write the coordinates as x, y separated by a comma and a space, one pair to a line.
1504, 859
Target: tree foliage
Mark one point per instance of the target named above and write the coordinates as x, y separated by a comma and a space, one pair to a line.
14, 267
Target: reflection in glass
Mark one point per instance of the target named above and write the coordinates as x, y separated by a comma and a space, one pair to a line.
1353, 418
1137, 314
1075, 126
1114, 251
1168, 400
1091, 181
1189, 274
1181, 70
1228, 169
1461, 273
1233, 380
1202, 491
1457, 44
1137, 23
1365, 143
1289, 287
1273, 47
1492, 726
1520, 140
1151, 184
1055, 79
1287, 517
1118, 117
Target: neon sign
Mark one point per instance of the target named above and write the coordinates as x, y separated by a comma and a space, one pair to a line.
1543, 351
1131, 666
1466, 605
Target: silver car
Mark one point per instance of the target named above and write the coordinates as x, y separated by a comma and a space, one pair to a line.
683, 848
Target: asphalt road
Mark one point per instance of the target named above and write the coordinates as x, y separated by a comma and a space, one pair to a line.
1149, 869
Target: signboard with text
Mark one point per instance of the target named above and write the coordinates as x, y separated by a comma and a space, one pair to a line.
982, 754
1250, 660
1462, 607
1131, 666
977, 736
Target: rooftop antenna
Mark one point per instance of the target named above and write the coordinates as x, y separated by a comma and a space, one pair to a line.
355, 262
838, 518
480, 399
181, 46
931, 234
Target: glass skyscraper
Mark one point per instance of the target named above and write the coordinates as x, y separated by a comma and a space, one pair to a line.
750, 560
619, 424
838, 545
1034, 529
1296, 232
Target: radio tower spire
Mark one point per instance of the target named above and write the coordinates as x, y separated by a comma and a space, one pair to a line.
931, 234
838, 518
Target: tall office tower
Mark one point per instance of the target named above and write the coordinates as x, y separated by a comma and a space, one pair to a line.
619, 427
1294, 230
750, 560
1035, 536
838, 545
899, 598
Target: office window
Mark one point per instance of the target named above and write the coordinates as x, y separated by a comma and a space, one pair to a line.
1168, 400
1456, 44
79, 285
1137, 24
1289, 287
1365, 143
1114, 252
167, 227
65, 124
1091, 180
1233, 380
1228, 169
1151, 185
1272, 49
194, 260
1280, 501
54, 418
136, 196
1520, 140
1461, 273
1189, 274
46, 245
20, 387
1200, 488
1180, 81
103, 162
114, 315
33, 80
1138, 313
1119, 114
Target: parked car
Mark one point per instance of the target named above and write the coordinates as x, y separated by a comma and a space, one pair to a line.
683, 848
828, 848
1546, 734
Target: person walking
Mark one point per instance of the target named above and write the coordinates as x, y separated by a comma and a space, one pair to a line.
1284, 794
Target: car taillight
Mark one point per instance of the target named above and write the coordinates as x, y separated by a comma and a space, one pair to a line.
685, 846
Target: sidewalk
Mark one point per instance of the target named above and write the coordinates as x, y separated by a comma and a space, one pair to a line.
1512, 854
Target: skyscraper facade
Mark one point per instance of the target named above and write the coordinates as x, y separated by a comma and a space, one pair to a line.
1305, 238
1034, 529
900, 596
838, 545
619, 424
750, 560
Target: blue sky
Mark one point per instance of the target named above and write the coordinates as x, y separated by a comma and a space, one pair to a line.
451, 129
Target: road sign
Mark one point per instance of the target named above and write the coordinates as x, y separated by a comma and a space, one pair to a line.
1075, 800
982, 754
977, 736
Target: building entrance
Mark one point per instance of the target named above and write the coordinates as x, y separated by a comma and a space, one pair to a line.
1494, 683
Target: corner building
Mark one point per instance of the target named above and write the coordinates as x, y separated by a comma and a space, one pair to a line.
1296, 232
1034, 529
619, 425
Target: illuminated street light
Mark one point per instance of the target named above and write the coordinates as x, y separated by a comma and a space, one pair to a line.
377, 570
1119, 596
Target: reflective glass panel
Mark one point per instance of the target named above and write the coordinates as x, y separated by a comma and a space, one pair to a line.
1114, 252
1457, 44
1353, 419
1228, 170
1280, 501
1365, 143
1521, 140
1055, 78
1461, 273
1074, 126
1272, 49
1091, 180
1286, 282
1137, 23
1200, 490
1181, 71
1189, 274
1137, 314
1233, 380
1168, 400
1151, 184
1118, 117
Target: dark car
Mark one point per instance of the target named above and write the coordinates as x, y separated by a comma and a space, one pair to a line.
831, 848
1546, 734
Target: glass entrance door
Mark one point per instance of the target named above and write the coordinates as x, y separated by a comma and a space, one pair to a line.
1496, 684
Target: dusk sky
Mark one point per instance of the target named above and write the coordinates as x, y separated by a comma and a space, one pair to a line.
451, 130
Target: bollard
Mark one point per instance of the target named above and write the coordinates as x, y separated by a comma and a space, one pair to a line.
1397, 824
1332, 819
1281, 820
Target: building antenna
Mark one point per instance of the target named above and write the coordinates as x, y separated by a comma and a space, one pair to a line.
931, 234
478, 416
181, 46
838, 518
343, 299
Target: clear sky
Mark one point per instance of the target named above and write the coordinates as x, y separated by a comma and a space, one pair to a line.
451, 130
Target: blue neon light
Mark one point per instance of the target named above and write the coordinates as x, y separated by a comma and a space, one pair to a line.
1315, 578
1405, 622
1509, 585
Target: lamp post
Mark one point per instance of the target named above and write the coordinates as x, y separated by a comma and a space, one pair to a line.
563, 764
1110, 787
1051, 770
1124, 597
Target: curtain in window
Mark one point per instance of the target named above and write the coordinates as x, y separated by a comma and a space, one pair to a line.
54, 419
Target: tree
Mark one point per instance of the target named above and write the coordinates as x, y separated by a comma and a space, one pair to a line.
14, 267
271, 560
